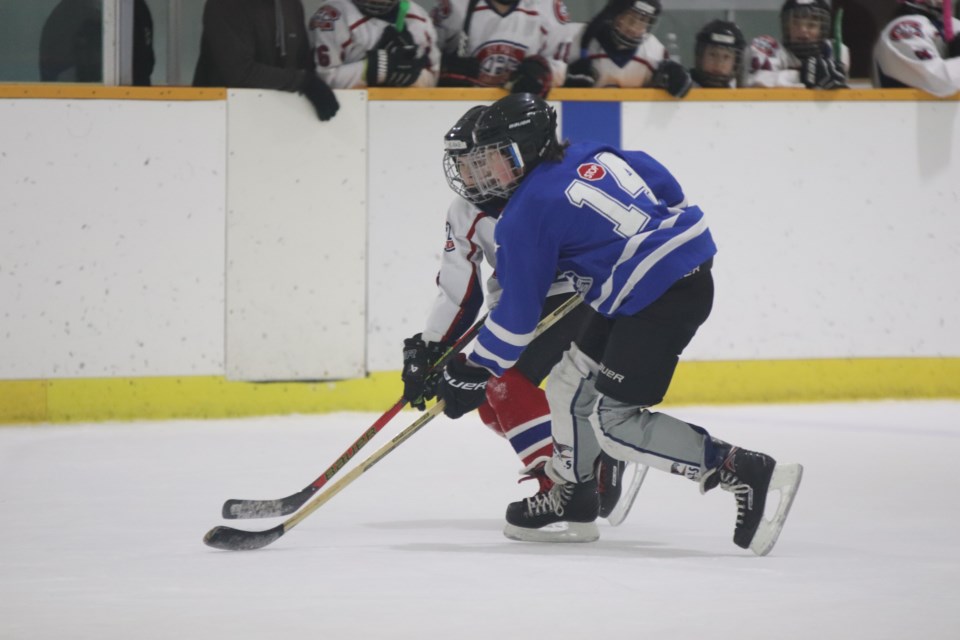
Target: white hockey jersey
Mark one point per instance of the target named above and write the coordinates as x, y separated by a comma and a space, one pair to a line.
341, 37
770, 64
468, 244
627, 72
500, 42
911, 52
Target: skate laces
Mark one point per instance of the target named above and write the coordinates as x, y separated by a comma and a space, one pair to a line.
740, 490
552, 501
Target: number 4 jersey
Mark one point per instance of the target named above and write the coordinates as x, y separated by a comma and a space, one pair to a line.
615, 222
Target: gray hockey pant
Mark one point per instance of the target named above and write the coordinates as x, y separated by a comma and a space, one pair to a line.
625, 431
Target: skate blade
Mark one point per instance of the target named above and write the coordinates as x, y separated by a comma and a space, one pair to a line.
636, 472
559, 532
786, 479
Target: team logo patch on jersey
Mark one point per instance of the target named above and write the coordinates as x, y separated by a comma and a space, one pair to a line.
449, 245
498, 59
325, 18
906, 30
591, 171
560, 10
765, 45
580, 284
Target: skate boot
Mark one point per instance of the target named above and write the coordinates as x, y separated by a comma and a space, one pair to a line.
750, 476
609, 482
537, 472
565, 513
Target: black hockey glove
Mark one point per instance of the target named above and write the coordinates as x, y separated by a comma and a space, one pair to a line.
532, 75
822, 72
391, 39
581, 74
397, 67
320, 95
953, 47
419, 383
463, 387
457, 71
672, 77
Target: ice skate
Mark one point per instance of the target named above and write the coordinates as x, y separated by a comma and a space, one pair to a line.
751, 476
609, 472
632, 477
565, 513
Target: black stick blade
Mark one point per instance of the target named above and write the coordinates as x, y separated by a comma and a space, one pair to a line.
230, 539
234, 508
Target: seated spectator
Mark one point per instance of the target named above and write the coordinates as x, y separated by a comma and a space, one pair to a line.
71, 43
718, 55
913, 50
616, 49
357, 43
516, 44
807, 57
260, 44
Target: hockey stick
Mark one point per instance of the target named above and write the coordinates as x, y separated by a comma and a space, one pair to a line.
230, 539
238, 508
948, 20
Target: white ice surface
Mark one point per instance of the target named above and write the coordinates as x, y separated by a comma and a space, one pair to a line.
102, 526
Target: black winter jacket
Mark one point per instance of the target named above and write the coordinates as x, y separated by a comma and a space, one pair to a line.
242, 46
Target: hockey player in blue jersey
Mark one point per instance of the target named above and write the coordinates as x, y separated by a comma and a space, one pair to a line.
617, 222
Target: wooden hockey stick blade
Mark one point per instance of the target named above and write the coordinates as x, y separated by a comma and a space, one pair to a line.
230, 539
625, 503
243, 508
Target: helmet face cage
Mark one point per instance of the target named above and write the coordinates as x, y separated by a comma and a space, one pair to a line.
457, 143
806, 27
375, 7
489, 171
630, 27
719, 54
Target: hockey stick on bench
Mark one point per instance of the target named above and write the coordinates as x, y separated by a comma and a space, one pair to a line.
239, 508
230, 539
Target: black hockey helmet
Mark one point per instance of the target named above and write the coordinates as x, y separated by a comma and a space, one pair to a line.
718, 34
647, 10
375, 7
458, 142
932, 9
805, 26
511, 137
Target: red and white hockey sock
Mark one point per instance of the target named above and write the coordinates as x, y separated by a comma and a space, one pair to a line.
522, 415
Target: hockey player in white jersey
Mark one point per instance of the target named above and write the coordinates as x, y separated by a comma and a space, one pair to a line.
617, 49
913, 50
516, 407
806, 58
357, 43
619, 222
718, 55
520, 45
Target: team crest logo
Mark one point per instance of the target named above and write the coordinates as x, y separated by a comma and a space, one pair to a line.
498, 59
766, 45
565, 454
906, 30
560, 10
441, 11
449, 245
591, 171
325, 18
580, 284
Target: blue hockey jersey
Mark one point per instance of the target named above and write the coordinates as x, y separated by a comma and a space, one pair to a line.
616, 222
